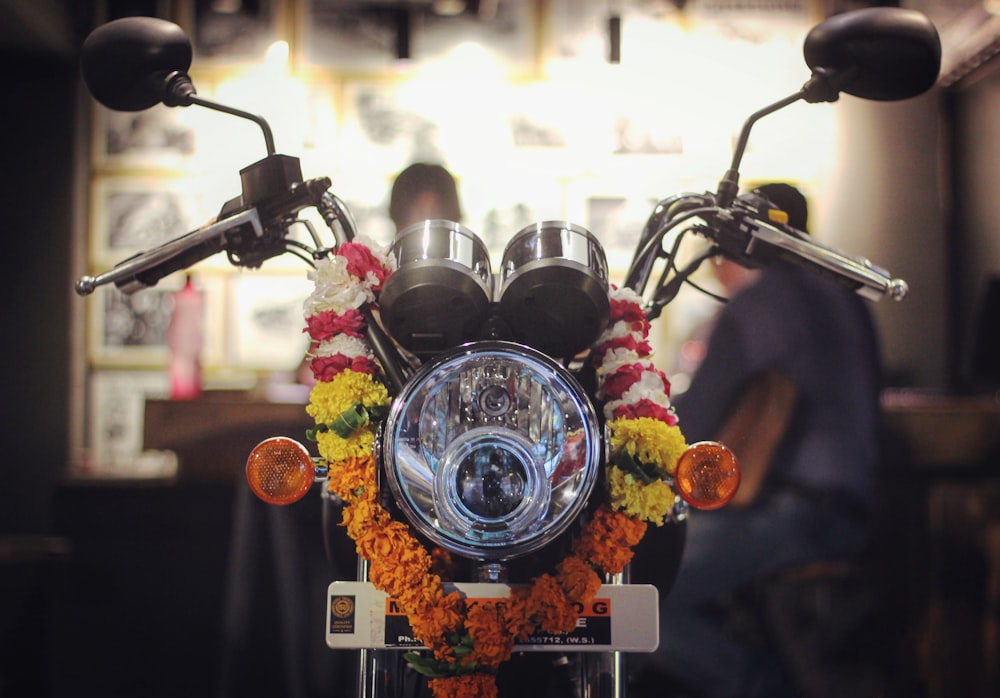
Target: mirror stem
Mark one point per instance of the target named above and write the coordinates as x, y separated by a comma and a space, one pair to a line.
257, 119
730, 185
179, 92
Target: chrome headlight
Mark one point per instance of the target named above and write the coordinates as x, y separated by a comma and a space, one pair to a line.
491, 451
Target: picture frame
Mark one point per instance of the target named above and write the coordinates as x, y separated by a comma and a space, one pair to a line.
226, 33
130, 330
161, 137
387, 128
115, 416
615, 211
265, 320
132, 214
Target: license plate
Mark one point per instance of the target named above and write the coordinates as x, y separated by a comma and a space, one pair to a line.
623, 618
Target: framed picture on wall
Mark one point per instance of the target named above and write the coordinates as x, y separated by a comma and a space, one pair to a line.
348, 35
496, 209
265, 320
234, 32
116, 408
134, 214
159, 137
132, 329
386, 128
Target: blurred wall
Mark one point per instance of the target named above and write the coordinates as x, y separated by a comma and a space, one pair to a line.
885, 202
974, 111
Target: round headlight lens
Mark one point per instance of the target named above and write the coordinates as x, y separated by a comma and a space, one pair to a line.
491, 451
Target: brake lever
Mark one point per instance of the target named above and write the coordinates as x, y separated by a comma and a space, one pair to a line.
858, 273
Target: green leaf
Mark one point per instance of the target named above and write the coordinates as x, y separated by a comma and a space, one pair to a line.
352, 419
428, 666
646, 473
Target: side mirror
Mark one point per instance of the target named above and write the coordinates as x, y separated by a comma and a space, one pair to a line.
134, 63
877, 53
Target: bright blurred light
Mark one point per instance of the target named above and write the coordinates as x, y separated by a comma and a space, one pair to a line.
276, 57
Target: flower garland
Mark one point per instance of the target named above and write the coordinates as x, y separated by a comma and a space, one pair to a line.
646, 442
469, 642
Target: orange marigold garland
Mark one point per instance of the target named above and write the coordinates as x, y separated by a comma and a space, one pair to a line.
469, 642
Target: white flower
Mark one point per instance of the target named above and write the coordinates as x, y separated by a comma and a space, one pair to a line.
336, 289
625, 294
617, 330
650, 386
347, 345
621, 356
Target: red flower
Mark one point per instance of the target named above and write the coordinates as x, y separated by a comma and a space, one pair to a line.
646, 408
361, 261
629, 341
621, 380
329, 324
324, 368
630, 312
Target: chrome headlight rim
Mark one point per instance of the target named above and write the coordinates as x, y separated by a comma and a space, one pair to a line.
454, 524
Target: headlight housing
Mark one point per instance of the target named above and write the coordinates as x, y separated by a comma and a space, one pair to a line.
440, 294
492, 450
554, 287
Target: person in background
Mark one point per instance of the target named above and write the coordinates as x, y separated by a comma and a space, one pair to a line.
790, 383
422, 192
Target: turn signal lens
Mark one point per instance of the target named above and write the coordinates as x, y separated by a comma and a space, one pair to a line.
280, 470
707, 475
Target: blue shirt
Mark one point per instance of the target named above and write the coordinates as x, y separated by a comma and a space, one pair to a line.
821, 336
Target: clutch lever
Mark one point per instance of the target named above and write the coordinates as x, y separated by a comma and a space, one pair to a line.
145, 269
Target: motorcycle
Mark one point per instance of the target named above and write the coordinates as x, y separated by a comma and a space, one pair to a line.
475, 425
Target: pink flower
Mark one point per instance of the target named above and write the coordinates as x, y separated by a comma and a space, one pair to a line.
328, 324
324, 368
361, 262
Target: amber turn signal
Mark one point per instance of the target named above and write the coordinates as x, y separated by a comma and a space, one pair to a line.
707, 475
280, 470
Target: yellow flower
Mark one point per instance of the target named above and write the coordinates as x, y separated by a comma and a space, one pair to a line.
336, 449
330, 399
648, 440
649, 502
